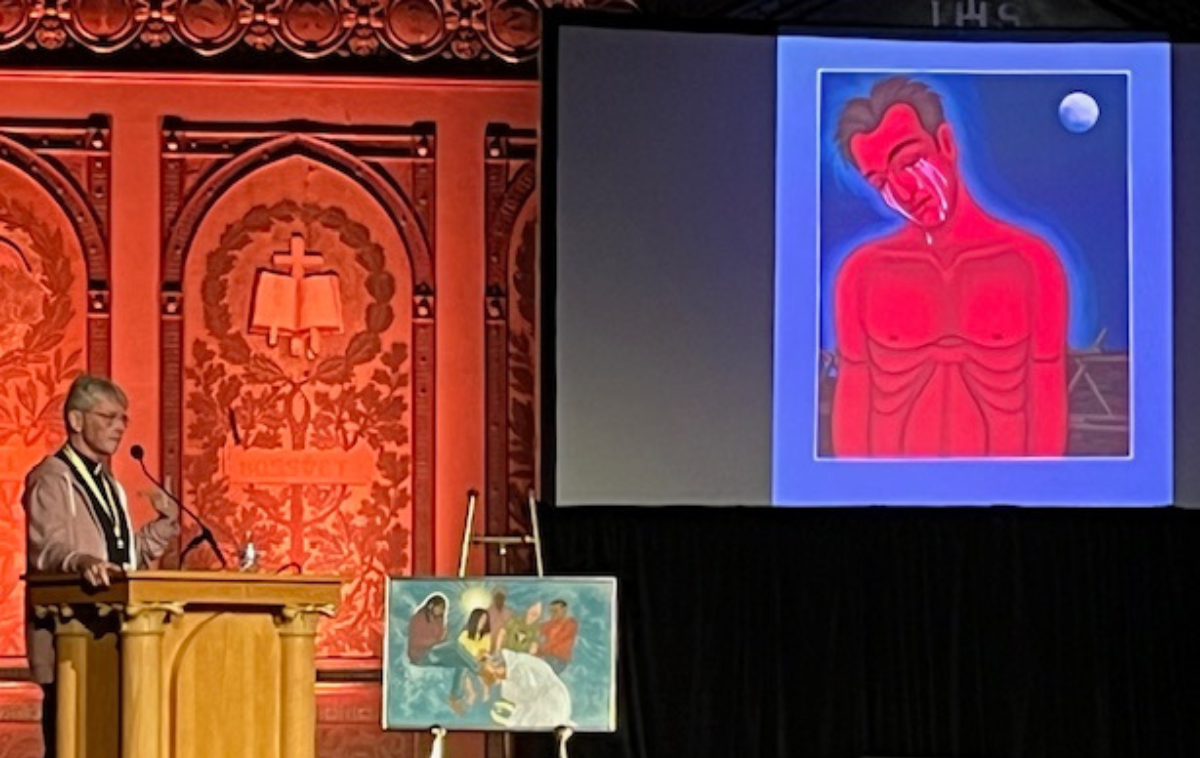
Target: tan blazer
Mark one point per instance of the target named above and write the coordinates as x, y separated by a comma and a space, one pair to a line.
61, 527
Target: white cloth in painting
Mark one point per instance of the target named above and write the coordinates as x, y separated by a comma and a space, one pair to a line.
539, 697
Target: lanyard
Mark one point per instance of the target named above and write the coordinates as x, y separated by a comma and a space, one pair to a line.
104, 499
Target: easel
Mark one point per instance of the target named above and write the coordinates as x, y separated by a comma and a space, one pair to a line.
502, 542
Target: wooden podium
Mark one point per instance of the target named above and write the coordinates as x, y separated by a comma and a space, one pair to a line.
186, 664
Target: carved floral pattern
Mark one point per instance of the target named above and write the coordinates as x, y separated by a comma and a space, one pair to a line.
416, 30
20, 740
34, 318
362, 741
42, 338
34, 374
357, 396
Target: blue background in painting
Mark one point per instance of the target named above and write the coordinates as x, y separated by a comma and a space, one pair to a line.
415, 697
798, 476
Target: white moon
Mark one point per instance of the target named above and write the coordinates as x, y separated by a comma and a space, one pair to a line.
1078, 112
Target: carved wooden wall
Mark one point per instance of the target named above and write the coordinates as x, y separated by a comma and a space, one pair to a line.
307, 429
54, 195
298, 337
354, 432
512, 347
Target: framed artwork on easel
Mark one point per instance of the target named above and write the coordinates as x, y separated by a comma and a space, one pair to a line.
503, 653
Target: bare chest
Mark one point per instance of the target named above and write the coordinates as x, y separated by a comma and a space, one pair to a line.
912, 303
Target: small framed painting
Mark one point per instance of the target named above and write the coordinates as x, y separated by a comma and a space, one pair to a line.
501, 654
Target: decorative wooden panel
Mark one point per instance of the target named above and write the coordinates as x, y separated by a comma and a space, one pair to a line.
54, 273
20, 740
348, 725
20, 717
415, 30
510, 310
298, 343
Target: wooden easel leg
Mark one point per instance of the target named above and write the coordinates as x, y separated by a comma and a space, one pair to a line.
537, 533
472, 498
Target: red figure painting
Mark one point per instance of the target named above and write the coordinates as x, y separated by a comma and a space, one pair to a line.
951, 331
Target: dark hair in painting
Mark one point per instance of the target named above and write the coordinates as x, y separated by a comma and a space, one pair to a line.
863, 114
475, 630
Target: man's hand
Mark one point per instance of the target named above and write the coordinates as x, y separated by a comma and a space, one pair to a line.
97, 572
165, 506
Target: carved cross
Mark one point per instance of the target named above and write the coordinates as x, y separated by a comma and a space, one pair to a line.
298, 259
297, 302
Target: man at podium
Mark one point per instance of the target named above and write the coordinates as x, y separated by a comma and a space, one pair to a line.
78, 519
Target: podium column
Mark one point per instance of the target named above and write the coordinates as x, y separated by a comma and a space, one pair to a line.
297, 625
142, 627
70, 675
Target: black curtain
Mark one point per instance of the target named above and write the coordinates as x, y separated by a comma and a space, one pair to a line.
988, 633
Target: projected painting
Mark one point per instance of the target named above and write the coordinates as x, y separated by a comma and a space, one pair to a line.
987, 244
968, 259
501, 654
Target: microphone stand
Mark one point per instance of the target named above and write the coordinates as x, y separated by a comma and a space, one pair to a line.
205, 536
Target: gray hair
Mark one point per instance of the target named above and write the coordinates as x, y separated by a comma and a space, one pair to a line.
87, 390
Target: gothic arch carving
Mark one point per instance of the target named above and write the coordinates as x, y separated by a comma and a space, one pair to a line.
412, 223
394, 166
37, 149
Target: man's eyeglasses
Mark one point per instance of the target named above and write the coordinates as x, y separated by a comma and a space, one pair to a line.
110, 418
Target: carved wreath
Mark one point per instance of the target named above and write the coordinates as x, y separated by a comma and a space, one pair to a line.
268, 400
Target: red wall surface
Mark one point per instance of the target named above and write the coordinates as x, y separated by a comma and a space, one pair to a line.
191, 185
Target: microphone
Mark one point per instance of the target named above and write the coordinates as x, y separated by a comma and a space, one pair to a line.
205, 535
